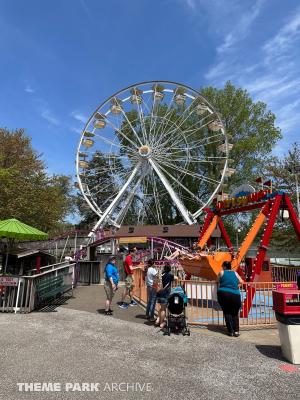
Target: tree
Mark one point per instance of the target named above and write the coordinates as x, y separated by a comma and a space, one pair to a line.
282, 172
27, 192
101, 185
251, 129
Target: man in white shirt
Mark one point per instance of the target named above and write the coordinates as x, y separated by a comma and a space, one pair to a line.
151, 282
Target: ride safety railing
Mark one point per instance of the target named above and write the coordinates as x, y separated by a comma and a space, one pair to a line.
26, 293
284, 272
203, 308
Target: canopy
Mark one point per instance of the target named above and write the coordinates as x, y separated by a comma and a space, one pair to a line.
15, 229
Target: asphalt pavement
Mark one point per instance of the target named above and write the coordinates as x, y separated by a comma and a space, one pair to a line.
87, 355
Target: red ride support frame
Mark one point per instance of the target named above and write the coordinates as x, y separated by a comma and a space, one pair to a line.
274, 208
293, 215
207, 222
266, 237
225, 235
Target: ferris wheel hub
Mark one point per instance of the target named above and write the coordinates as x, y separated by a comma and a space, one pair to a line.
144, 151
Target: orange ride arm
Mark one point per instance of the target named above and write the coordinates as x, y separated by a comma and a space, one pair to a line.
260, 219
202, 242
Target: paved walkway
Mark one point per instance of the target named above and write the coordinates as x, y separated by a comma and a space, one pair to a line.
122, 358
69, 347
92, 299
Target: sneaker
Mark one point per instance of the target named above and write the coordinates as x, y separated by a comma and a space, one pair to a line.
107, 313
236, 334
133, 303
124, 305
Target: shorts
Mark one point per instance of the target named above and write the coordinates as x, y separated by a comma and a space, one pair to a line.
162, 300
162, 297
108, 290
129, 282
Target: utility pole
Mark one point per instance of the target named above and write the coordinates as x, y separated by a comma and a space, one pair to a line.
297, 194
295, 170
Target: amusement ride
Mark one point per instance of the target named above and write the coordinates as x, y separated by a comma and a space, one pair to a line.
150, 141
161, 140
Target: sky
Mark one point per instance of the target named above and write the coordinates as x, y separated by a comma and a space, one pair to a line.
61, 58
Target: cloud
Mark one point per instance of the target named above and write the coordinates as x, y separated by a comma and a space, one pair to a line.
288, 115
79, 116
86, 10
268, 68
49, 116
191, 4
29, 89
76, 130
283, 42
242, 28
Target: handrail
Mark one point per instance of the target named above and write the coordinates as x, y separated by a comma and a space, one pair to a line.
48, 266
47, 272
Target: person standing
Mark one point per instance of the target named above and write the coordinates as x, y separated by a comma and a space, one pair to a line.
129, 279
162, 295
111, 276
229, 297
151, 283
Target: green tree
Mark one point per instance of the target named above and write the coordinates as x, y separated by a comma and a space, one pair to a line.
282, 172
251, 129
101, 185
27, 192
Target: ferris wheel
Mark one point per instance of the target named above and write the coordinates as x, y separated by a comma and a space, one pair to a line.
153, 153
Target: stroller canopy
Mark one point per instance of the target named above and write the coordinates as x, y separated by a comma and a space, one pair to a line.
178, 290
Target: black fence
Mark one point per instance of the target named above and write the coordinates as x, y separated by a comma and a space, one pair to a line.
92, 272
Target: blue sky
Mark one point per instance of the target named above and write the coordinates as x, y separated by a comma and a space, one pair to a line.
61, 58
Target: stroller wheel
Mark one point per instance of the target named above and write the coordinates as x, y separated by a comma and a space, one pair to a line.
167, 331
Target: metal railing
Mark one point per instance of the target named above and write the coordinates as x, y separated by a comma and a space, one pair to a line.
203, 307
23, 297
283, 273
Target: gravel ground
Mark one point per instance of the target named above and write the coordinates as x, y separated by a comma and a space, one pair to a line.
71, 346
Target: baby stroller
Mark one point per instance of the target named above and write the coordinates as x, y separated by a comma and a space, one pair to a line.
176, 318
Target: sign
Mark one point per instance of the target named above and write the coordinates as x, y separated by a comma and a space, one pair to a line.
8, 281
288, 285
133, 239
242, 200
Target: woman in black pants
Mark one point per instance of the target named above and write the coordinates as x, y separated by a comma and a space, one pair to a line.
229, 297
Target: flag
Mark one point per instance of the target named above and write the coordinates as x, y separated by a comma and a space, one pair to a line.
259, 180
268, 183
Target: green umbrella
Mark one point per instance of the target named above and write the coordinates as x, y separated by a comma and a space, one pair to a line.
15, 229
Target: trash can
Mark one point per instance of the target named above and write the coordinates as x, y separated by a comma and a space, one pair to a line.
286, 304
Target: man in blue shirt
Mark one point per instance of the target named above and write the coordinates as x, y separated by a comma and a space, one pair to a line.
111, 276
